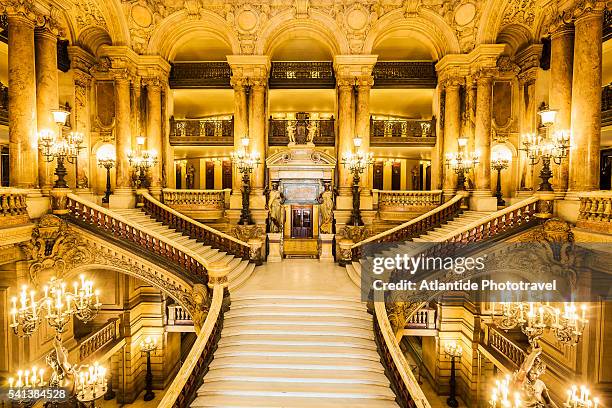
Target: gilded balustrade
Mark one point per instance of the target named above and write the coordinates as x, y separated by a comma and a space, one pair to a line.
424, 318
192, 199
506, 347
177, 315
13, 207
595, 211
407, 200
97, 340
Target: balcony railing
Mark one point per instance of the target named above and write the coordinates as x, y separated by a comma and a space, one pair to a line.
320, 131
196, 199
606, 105
308, 74
424, 318
99, 339
13, 207
496, 340
405, 74
396, 132
202, 132
4, 105
178, 316
407, 200
595, 211
214, 74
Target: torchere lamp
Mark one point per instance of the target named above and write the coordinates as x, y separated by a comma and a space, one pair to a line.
454, 351
107, 158
499, 161
245, 162
462, 162
148, 346
142, 160
60, 148
548, 148
357, 162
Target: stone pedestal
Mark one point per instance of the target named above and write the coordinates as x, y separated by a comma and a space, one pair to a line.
326, 242
59, 200
275, 247
545, 206
344, 253
481, 203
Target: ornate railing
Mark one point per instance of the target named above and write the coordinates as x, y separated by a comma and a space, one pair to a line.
302, 74
194, 229
4, 104
606, 105
194, 132
320, 131
595, 211
177, 315
213, 74
497, 341
404, 384
407, 200
424, 318
393, 132
414, 227
13, 207
202, 199
405, 74
180, 393
96, 341
88, 214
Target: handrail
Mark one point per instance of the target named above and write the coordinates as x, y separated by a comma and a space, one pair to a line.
191, 190
194, 229
406, 385
87, 212
385, 235
209, 199
100, 338
187, 379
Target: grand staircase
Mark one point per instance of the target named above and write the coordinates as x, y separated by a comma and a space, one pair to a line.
240, 269
296, 351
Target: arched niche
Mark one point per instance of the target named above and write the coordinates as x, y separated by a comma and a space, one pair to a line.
404, 44
516, 37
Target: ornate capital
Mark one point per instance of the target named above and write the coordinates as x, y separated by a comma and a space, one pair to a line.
22, 10
238, 82
258, 82
364, 81
152, 82
345, 82
588, 9
506, 64
451, 82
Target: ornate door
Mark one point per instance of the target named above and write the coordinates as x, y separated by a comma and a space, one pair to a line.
301, 221
227, 174
378, 169
210, 175
396, 176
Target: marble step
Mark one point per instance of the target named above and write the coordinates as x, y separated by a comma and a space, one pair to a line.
297, 341
296, 310
364, 322
315, 330
282, 402
320, 353
296, 363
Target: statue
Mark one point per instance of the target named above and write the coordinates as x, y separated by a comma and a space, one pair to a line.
527, 379
275, 208
291, 131
312, 131
326, 199
190, 177
201, 301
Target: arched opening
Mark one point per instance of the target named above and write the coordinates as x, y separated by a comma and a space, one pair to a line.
404, 45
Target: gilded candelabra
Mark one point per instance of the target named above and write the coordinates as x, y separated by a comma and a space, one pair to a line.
462, 162
142, 160
107, 158
499, 162
245, 162
357, 162
453, 351
148, 346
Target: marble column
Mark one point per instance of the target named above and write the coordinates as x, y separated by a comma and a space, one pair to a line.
437, 153
527, 124
47, 99
482, 135
241, 123
82, 86
258, 131
345, 132
22, 103
122, 135
137, 112
362, 123
560, 95
452, 127
154, 132
586, 102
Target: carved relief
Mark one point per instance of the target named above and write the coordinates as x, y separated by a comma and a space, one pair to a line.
521, 12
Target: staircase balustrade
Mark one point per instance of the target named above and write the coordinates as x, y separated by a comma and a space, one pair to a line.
196, 199
177, 315
97, 340
506, 347
196, 230
424, 318
92, 216
184, 386
596, 211
13, 207
407, 200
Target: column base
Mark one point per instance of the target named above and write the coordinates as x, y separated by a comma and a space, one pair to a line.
156, 191
275, 248
448, 193
572, 195
522, 194
560, 194
325, 247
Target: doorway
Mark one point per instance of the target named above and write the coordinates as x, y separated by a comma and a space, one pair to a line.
301, 221
396, 176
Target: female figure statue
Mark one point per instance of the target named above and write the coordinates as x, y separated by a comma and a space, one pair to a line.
276, 211
527, 379
326, 199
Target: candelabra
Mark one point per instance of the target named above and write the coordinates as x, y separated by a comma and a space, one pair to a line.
546, 148
580, 400
107, 159
461, 162
502, 394
357, 162
60, 148
245, 162
141, 160
499, 162
56, 307
453, 351
148, 345
534, 318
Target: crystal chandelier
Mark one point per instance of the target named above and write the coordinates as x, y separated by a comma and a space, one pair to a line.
534, 318
462, 162
142, 160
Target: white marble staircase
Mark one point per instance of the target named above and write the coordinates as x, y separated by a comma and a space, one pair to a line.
296, 351
240, 269
457, 224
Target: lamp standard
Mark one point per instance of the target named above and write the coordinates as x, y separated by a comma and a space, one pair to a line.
357, 162
548, 148
106, 158
499, 163
148, 346
59, 147
461, 162
142, 160
453, 351
245, 162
